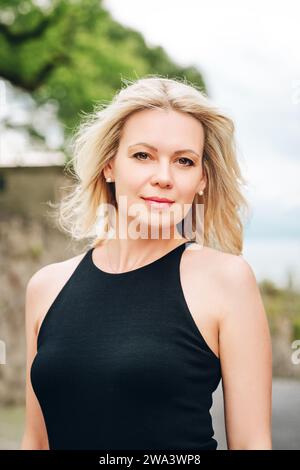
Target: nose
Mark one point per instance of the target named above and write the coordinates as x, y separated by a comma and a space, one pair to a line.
162, 175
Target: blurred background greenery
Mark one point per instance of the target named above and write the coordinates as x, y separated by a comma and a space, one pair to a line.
73, 54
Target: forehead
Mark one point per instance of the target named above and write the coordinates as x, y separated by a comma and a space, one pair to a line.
162, 128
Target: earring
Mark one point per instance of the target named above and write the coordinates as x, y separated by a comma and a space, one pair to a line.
108, 180
200, 193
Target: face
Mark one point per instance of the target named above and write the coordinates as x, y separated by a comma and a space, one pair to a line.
159, 156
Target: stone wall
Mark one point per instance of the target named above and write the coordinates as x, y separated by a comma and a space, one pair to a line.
29, 241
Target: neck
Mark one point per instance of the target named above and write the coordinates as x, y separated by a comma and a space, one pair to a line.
127, 253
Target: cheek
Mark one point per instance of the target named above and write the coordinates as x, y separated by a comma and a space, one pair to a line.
137, 184
128, 182
186, 192
129, 189
133, 175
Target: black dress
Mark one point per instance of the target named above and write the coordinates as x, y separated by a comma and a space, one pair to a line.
121, 364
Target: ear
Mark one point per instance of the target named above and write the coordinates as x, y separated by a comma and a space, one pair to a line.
203, 182
108, 170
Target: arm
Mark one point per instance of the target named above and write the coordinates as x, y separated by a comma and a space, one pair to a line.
246, 360
35, 434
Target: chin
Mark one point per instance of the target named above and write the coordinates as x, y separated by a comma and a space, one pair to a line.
155, 222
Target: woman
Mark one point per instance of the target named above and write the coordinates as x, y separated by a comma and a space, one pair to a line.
128, 341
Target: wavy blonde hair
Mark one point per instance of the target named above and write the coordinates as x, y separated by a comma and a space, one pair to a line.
96, 141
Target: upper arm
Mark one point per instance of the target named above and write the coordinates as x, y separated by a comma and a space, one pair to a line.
41, 290
35, 434
246, 360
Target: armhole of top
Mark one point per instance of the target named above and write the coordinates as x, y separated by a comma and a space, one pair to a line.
56, 300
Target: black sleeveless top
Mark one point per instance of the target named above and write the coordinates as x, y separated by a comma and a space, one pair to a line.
121, 364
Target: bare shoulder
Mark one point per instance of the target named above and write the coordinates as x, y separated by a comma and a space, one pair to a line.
226, 267
237, 283
46, 283
52, 273
235, 277
232, 269
230, 300
227, 275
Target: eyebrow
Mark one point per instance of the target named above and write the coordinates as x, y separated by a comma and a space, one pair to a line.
155, 149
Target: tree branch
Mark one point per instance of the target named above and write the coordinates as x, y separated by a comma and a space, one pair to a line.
39, 78
15, 38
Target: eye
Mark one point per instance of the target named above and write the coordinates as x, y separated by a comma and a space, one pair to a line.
139, 153
136, 155
191, 163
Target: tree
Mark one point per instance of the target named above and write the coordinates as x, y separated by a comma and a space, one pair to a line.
74, 53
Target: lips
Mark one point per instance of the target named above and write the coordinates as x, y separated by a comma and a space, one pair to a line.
158, 203
158, 199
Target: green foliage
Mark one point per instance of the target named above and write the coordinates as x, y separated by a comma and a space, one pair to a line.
269, 288
75, 53
296, 328
279, 303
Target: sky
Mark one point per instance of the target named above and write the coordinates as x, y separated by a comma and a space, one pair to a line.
248, 53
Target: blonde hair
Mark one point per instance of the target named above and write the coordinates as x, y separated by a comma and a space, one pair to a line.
96, 142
